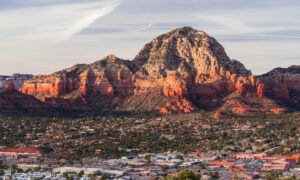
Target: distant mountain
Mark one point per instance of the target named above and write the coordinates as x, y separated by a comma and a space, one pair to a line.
181, 71
12, 101
282, 84
17, 79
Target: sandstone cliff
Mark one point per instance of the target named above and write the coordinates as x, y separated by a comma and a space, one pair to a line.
180, 71
282, 84
184, 64
189, 64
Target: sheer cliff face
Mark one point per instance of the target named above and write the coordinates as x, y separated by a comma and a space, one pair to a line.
108, 77
282, 84
182, 70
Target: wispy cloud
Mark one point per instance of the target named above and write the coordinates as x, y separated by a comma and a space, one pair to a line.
230, 26
55, 22
257, 32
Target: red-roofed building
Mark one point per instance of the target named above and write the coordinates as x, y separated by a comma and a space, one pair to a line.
20, 152
238, 167
249, 156
277, 165
295, 158
260, 156
222, 163
244, 156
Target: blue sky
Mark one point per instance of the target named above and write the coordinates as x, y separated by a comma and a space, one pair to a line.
44, 36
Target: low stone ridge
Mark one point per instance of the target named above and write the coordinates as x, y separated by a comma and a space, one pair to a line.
12, 101
181, 71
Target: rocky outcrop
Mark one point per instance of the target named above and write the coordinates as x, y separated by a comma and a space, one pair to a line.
184, 64
219, 115
190, 53
16, 79
181, 71
282, 84
12, 101
10, 86
108, 77
250, 103
189, 64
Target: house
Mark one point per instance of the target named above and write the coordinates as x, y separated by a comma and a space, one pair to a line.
238, 167
249, 156
160, 158
98, 151
112, 172
277, 165
26, 167
243, 156
86, 171
15, 153
222, 163
131, 157
260, 156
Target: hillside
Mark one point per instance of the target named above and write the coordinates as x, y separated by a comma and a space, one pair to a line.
183, 70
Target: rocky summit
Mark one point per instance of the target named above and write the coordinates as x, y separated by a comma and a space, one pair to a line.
183, 70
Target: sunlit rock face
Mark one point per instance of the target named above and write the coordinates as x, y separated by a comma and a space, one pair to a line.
181, 71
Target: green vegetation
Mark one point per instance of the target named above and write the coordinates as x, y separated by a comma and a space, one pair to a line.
75, 138
273, 176
80, 174
164, 168
1, 172
185, 175
289, 178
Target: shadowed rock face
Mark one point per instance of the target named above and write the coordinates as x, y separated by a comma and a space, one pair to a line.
16, 79
282, 84
180, 71
12, 101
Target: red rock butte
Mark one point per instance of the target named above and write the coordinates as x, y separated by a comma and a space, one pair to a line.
21, 151
181, 71
10, 85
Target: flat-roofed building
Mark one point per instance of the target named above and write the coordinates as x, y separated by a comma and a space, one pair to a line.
20, 152
86, 171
